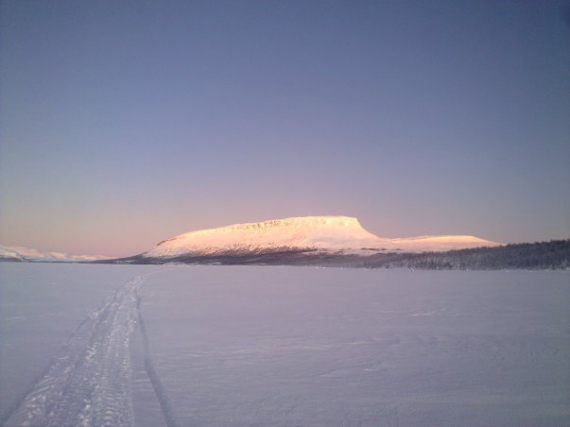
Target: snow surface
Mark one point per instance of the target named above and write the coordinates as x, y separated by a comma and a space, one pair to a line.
282, 346
324, 233
26, 254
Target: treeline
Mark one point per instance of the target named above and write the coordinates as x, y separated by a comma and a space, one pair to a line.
528, 256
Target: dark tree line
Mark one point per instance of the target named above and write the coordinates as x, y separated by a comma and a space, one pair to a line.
529, 256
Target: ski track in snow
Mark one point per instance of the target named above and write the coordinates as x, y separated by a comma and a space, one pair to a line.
88, 383
167, 410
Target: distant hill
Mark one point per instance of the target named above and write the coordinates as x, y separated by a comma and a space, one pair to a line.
339, 241
21, 254
319, 236
528, 256
328, 241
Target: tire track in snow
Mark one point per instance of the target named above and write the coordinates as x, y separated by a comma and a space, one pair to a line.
88, 383
167, 410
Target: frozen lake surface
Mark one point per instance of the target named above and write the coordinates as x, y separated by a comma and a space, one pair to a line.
282, 346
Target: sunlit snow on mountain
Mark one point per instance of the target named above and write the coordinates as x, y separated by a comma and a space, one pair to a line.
321, 234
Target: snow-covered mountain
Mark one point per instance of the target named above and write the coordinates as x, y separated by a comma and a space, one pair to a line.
19, 253
338, 235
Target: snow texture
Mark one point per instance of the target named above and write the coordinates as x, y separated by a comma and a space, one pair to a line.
88, 382
282, 346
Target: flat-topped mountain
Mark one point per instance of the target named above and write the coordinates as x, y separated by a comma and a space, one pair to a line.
314, 235
326, 241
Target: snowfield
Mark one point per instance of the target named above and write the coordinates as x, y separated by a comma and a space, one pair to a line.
282, 346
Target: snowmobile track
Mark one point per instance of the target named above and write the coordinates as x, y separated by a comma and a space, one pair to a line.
88, 382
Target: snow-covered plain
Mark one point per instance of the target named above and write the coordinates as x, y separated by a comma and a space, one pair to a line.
282, 346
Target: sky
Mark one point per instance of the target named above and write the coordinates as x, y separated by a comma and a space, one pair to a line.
124, 123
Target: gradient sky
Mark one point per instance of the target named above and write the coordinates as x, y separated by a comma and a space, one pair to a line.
127, 122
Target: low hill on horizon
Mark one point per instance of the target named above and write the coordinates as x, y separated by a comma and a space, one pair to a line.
23, 254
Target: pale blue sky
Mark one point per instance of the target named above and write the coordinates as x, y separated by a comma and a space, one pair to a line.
127, 122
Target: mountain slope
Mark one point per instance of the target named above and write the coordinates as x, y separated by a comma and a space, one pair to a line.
317, 235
